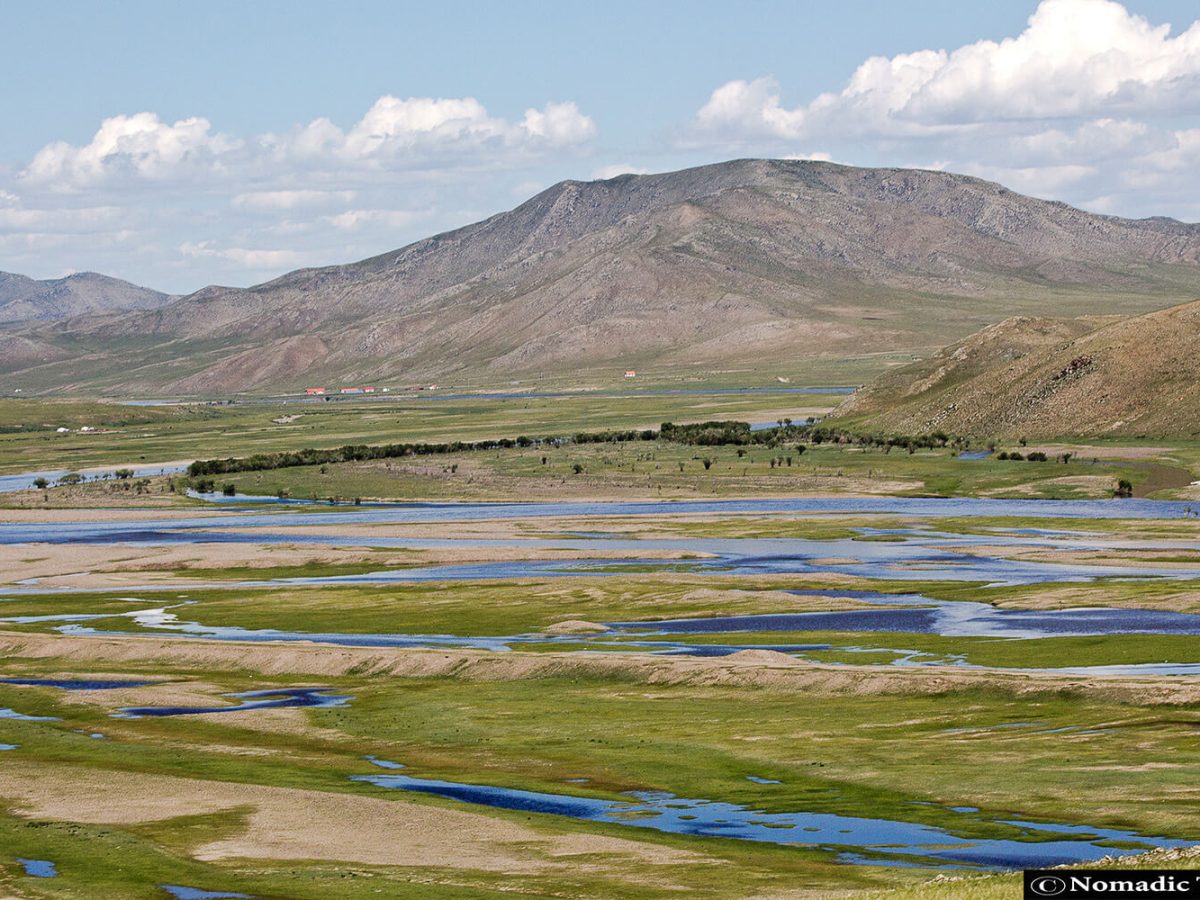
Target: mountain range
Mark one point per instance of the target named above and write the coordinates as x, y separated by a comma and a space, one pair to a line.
746, 266
24, 300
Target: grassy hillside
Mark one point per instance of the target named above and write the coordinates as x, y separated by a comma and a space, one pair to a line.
1040, 378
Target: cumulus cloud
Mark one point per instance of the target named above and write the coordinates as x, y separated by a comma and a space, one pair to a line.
322, 192
417, 132
1082, 106
424, 131
1075, 59
139, 146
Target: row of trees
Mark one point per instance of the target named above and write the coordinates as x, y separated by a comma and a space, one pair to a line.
704, 434
366, 452
715, 433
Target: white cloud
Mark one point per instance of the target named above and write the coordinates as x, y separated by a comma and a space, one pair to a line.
86, 220
204, 201
1081, 106
275, 201
558, 124
138, 146
612, 171
417, 132
818, 156
749, 108
1042, 181
247, 258
1075, 59
433, 133
353, 219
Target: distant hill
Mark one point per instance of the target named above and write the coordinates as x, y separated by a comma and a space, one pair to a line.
1044, 378
25, 300
755, 265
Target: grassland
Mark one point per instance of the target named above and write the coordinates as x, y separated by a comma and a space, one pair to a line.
663, 469
262, 802
892, 754
507, 608
147, 435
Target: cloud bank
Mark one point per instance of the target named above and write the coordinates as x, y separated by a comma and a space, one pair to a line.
245, 207
1081, 105
1089, 103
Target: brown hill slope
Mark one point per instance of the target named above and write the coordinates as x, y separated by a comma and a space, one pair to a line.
1045, 378
755, 263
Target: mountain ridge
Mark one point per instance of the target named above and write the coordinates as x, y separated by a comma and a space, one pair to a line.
728, 264
24, 299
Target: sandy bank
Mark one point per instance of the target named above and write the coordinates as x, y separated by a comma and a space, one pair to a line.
296, 824
315, 660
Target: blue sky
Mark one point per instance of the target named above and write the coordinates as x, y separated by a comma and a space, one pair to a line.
183, 144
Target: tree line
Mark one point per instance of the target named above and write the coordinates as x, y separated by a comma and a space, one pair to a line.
704, 434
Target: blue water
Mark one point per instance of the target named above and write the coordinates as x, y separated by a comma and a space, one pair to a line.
1033, 845
975, 454
757, 780
384, 763
181, 892
38, 868
76, 684
924, 554
276, 698
24, 480
9, 746
897, 613
917, 614
21, 717
184, 529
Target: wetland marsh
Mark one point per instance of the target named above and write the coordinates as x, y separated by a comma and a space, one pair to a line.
790, 679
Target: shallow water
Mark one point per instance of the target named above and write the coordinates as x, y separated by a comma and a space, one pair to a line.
1033, 845
274, 698
38, 868
134, 529
922, 554
24, 480
182, 892
6, 713
918, 614
900, 613
76, 684
384, 763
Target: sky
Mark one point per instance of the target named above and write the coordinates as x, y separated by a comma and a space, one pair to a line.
178, 144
